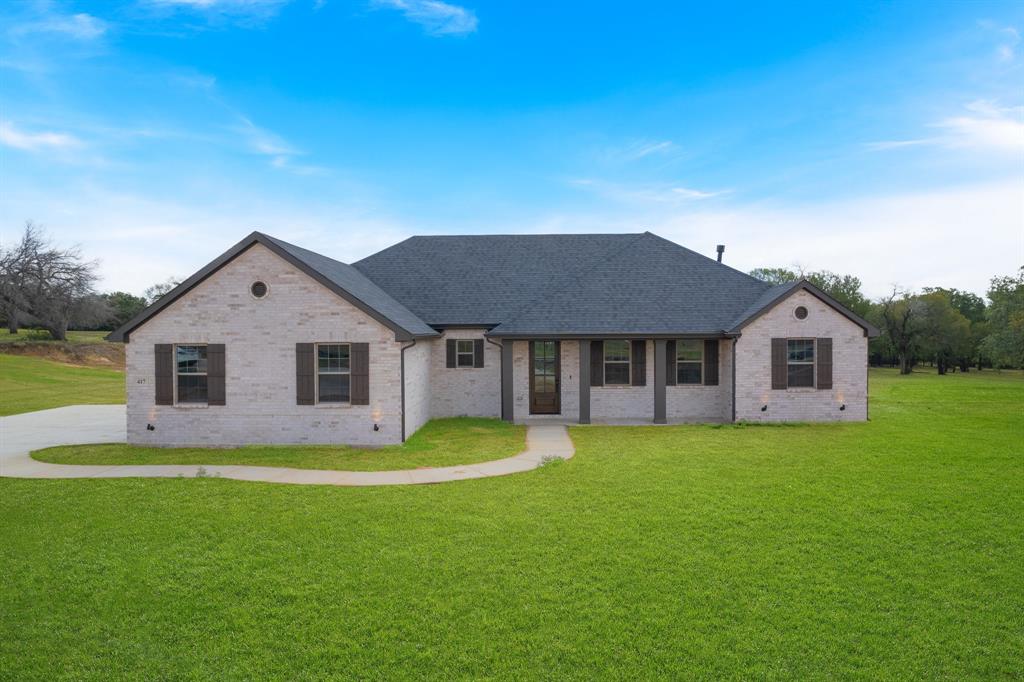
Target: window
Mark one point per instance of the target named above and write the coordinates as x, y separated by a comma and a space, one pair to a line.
191, 371
464, 354
689, 361
258, 289
616, 363
800, 312
800, 363
332, 373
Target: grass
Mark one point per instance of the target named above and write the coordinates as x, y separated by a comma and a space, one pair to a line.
890, 549
29, 383
39, 336
441, 442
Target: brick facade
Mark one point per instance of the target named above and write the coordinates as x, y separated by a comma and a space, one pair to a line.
849, 365
260, 336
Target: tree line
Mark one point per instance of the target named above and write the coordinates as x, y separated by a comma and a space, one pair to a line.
51, 288
947, 328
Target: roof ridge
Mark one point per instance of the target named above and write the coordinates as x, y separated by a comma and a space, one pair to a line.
713, 260
578, 277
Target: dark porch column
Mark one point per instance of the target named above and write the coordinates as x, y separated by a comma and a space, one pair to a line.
506, 380
660, 370
584, 381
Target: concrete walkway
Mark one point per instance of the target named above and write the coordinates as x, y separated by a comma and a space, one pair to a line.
82, 424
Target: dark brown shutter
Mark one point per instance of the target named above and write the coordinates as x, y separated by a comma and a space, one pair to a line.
779, 377
360, 369
597, 362
478, 353
449, 353
711, 362
305, 374
216, 393
164, 377
670, 362
639, 358
823, 356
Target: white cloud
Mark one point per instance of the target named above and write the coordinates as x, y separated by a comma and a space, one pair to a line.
10, 136
986, 127
282, 154
437, 18
78, 26
900, 239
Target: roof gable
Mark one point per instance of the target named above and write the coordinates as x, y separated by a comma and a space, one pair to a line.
342, 279
777, 294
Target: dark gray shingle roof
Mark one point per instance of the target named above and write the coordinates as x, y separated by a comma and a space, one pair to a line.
563, 284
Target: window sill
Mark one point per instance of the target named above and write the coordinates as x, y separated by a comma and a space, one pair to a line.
618, 386
802, 389
191, 406
691, 386
332, 406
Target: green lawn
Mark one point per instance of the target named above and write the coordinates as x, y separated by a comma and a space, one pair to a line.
442, 442
28, 383
39, 336
891, 549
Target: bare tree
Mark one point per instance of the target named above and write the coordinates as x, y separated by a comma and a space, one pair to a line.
155, 292
50, 284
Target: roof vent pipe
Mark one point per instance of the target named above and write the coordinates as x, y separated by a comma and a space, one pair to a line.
721, 249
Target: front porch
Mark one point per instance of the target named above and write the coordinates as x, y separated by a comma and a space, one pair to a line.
627, 381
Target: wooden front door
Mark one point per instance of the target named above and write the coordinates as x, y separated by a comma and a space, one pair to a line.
545, 377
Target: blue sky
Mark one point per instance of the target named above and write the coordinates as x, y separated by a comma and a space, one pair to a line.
883, 140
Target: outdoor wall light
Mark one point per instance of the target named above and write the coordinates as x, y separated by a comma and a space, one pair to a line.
842, 408
376, 427
150, 427
764, 408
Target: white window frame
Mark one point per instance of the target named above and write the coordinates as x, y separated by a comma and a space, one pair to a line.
178, 374
316, 359
461, 353
813, 362
628, 362
699, 363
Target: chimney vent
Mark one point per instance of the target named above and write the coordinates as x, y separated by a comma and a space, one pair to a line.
721, 249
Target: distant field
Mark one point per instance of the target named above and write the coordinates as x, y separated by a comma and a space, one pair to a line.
31, 383
34, 336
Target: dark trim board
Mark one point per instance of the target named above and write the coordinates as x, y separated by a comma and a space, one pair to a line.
563, 336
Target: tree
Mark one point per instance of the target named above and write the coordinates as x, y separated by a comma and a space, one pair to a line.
156, 291
1005, 341
123, 307
774, 276
901, 315
843, 288
55, 286
972, 307
945, 332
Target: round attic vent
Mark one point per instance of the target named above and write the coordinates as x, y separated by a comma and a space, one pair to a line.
800, 313
258, 289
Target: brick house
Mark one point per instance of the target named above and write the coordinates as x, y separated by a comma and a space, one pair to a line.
272, 343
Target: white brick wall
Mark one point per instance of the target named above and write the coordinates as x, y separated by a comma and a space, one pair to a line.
417, 385
612, 404
699, 403
849, 365
465, 391
260, 338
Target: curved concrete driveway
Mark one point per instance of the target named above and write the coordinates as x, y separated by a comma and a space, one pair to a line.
81, 424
